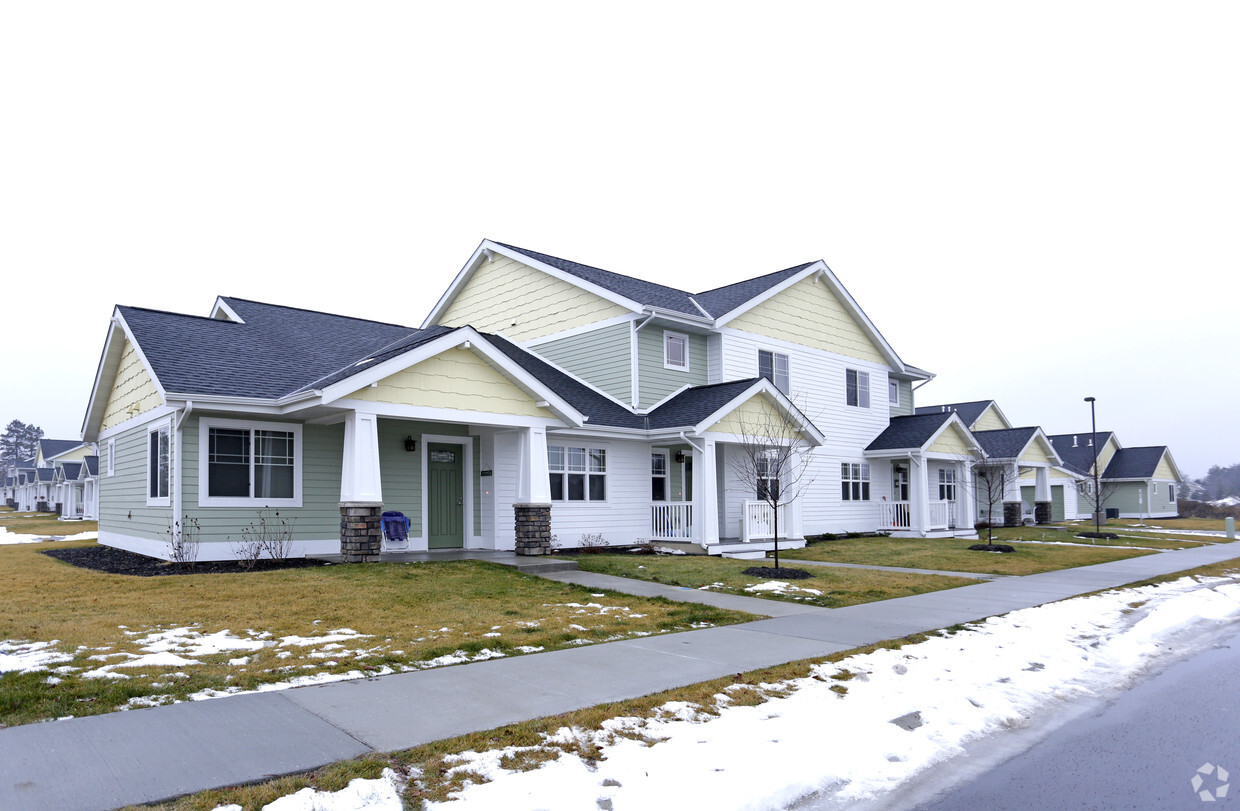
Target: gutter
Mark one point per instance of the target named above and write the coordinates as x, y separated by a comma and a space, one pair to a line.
178, 423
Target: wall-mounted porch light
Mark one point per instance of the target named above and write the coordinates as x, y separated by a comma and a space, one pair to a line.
411, 444
680, 457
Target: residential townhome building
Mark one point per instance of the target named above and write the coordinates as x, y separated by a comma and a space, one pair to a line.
1140, 482
540, 400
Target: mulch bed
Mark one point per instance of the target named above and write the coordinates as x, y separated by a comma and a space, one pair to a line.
1106, 536
780, 573
991, 547
119, 561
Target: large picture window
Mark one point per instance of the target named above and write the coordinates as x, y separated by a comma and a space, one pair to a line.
249, 464
577, 474
854, 481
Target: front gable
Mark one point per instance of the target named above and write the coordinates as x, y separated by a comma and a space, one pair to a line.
455, 379
757, 416
991, 419
503, 295
953, 440
1107, 451
133, 390
1166, 469
811, 314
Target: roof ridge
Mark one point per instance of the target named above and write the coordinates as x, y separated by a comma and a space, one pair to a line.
801, 266
536, 254
315, 312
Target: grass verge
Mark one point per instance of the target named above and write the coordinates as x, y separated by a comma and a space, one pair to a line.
835, 587
952, 554
397, 617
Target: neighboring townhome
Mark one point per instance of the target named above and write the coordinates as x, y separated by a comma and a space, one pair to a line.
540, 399
977, 415
1142, 483
1012, 457
1077, 451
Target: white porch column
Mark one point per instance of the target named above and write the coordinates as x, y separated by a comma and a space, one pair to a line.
919, 496
966, 504
360, 479
793, 513
1042, 488
533, 480
705, 494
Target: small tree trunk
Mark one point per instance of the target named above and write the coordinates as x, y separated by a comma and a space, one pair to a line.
776, 511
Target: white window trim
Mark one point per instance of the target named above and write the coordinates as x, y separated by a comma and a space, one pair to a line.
606, 474
893, 386
868, 400
164, 427
774, 375
862, 479
668, 364
205, 425
667, 476
111, 457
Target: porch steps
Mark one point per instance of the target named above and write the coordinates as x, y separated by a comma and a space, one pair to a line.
537, 566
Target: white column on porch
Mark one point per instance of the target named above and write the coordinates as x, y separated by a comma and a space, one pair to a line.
533, 480
966, 504
793, 512
1042, 484
705, 494
360, 479
919, 495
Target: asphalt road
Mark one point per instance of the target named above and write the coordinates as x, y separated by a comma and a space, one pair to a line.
1140, 750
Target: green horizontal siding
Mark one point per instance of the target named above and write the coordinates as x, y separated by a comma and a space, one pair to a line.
122, 496
601, 357
655, 382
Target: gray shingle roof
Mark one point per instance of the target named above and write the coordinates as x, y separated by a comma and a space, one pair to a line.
92, 465
1081, 457
45, 474
717, 302
969, 412
1134, 463
71, 469
1006, 443
911, 431
695, 404
55, 447
276, 352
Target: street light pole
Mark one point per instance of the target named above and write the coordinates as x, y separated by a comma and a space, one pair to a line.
1093, 441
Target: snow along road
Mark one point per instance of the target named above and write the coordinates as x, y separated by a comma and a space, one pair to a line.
901, 714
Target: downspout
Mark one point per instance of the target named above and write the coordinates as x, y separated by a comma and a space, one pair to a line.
178, 429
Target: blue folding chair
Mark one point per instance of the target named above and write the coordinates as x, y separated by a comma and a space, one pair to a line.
395, 530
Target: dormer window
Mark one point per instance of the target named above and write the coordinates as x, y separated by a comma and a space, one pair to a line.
676, 351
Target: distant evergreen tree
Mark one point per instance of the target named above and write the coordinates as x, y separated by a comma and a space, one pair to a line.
19, 442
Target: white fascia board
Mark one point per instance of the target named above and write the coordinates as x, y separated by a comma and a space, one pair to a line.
607, 432
577, 379
145, 417
823, 272
1178, 475
498, 360
763, 386
221, 308
1071, 474
487, 250
677, 317
1038, 433
214, 402
644, 411
71, 450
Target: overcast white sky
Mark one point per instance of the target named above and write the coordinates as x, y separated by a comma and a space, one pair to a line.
1036, 202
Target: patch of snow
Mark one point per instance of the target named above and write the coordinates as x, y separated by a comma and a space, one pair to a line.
780, 587
382, 794
338, 635
24, 657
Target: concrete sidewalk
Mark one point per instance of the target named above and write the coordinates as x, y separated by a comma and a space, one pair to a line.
142, 756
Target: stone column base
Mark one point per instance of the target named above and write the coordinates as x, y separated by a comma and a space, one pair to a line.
361, 531
533, 528
1011, 514
1042, 512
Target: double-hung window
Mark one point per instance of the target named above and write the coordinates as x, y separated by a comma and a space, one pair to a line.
158, 465
1171, 493
854, 481
577, 474
857, 385
675, 351
893, 392
947, 485
658, 476
774, 367
244, 464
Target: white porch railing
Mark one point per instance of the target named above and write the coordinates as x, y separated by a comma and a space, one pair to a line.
671, 521
897, 515
758, 521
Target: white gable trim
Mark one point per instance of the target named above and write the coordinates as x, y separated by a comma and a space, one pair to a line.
109, 364
221, 308
456, 338
780, 399
487, 250
823, 273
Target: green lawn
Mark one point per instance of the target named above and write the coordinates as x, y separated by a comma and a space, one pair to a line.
954, 555
1128, 537
32, 523
836, 587
400, 617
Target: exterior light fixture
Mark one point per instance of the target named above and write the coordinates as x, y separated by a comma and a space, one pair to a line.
411, 444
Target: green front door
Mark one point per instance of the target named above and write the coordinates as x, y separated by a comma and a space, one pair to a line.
1057, 504
445, 496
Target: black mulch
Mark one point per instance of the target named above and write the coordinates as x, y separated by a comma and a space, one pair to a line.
992, 547
781, 572
119, 561
1109, 536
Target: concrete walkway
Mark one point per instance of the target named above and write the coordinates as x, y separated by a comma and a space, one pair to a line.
148, 755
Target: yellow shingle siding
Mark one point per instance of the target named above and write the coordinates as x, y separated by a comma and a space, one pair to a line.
990, 421
133, 390
456, 379
756, 417
523, 303
810, 314
950, 441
